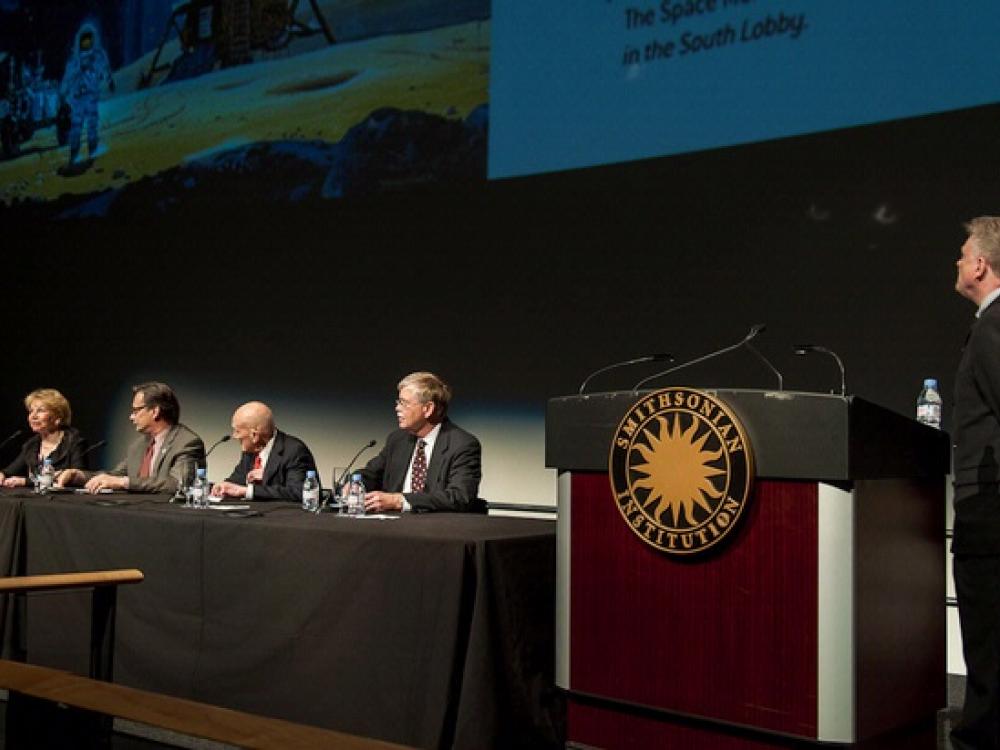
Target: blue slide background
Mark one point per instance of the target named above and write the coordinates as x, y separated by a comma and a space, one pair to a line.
562, 95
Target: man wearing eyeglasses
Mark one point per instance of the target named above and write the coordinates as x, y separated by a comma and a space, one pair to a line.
429, 463
160, 459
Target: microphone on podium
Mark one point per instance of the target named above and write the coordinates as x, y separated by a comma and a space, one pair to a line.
755, 330
760, 329
804, 349
625, 363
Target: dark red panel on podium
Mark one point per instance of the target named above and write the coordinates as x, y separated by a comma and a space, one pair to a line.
732, 636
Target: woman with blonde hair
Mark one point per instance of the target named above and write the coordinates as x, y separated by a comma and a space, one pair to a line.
49, 418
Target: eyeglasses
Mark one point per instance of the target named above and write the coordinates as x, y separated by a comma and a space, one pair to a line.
137, 409
404, 404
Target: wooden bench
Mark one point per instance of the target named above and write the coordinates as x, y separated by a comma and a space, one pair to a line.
185, 717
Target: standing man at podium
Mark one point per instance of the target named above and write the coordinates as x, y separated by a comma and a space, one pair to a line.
976, 543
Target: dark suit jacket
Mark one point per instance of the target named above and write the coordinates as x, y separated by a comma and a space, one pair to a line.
67, 455
284, 472
182, 451
453, 473
976, 433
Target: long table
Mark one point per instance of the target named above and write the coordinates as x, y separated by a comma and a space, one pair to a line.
434, 630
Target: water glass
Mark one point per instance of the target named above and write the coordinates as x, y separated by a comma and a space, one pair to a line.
184, 485
337, 479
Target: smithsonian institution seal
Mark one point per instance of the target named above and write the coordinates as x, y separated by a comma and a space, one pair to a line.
681, 470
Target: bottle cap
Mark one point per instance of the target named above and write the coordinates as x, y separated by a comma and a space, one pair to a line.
201, 472
930, 383
311, 473
356, 476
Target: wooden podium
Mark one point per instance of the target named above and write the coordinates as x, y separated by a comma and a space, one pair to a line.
821, 618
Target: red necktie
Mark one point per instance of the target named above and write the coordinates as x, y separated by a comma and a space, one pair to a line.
419, 479
256, 462
146, 467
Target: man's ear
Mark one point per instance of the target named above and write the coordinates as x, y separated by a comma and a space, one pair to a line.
982, 267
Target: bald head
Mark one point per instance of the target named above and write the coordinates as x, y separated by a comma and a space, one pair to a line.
253, 426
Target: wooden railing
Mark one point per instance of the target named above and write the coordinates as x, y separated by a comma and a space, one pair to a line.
102, 616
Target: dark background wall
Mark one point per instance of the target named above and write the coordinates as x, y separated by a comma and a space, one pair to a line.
513, 290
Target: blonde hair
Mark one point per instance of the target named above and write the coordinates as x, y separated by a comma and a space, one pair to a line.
428, 387
52, 400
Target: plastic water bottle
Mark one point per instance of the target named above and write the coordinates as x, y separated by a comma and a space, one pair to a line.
199, 489
310, 492
929, 404
354, 504
46, 477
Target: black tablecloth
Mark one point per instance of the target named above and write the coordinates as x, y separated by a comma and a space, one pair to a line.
434, 630
10, 539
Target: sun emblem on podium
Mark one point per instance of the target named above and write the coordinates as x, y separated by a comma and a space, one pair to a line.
681, 470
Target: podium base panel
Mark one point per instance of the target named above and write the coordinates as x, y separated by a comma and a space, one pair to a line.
590, 724
822, 620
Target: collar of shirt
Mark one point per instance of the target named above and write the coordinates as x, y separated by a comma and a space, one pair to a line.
157, 447
265, 452
987, 300
429, 439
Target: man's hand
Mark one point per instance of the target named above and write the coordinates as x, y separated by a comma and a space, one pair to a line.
228, 489
105, 482
376, 502
13, 481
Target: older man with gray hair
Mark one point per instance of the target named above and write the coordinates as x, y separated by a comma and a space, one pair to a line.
273, 465
976, 541
429, 463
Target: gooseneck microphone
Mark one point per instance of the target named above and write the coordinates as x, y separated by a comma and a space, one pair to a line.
626, 363
803, 349
781, 381
754, 331
217, 443
86, 452
16, 434
343, 475
339, 481
179, 493
94, 447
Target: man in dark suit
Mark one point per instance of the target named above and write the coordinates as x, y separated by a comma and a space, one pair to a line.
164, 456
273, 465
429, 463
976, 542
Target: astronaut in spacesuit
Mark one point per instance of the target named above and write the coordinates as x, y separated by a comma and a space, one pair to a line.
86, 71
